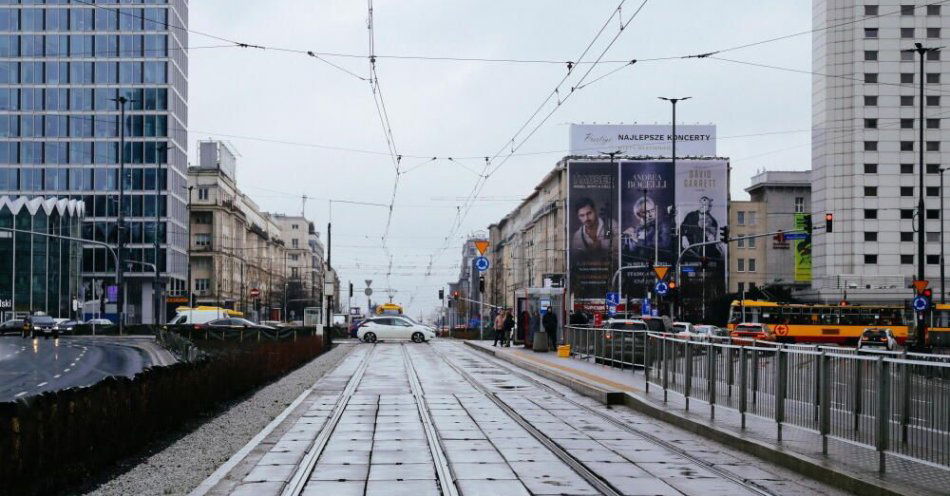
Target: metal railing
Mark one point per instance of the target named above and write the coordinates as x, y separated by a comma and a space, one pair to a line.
892, 402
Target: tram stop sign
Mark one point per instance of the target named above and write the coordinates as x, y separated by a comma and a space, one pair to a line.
921, 303
662, 288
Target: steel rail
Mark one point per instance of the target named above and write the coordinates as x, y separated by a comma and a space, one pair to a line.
442, 468
581, 469
746, 483
301, 476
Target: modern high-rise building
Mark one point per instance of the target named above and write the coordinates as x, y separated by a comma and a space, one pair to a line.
865, 145
64, 67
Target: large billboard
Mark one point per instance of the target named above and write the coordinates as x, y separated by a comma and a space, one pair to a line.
802, 250
643, 140
651, 212
592, 229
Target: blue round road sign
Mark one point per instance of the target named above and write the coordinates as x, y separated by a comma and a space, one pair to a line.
662, 288
481, 263
921, 303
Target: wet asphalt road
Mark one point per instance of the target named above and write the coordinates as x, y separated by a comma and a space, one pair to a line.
33, 366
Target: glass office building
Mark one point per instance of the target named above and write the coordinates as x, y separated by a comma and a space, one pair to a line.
63, 66
39, 273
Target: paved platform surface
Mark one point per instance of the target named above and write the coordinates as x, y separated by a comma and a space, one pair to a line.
442, 418
905, 476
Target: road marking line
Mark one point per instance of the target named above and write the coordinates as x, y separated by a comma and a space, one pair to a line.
21, 393
42, 384
66, 370
57, 376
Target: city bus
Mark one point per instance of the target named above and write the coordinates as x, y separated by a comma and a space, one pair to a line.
388, 309
808, 323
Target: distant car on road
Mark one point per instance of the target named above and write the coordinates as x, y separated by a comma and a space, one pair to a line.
874, 337
705, 332
750, 330
236, 323
99, 322
393, 327
36, 325
12, 325
65, 325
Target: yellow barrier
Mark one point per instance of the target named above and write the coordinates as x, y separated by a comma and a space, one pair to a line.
564, 351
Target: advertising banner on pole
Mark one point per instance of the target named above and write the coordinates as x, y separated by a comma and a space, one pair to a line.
592, 231
702, 198
647, 140
802, 250
646, 199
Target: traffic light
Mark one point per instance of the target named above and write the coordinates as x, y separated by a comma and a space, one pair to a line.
441, 294
351, 290
927, 293
806, 221
455, 295
829, 222
481, 284
724, 234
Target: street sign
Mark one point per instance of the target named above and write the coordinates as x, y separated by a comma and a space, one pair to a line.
613, 298
481, 246
688, 270
598, 319
661, 288
645, 307
368, 291
481, 264
921, 303
255, 293
795, 236
661, 272
611, 309
921, 284
369, 282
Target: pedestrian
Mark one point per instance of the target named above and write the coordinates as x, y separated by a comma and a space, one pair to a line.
507, 327
535, 327
499, 327
549, 321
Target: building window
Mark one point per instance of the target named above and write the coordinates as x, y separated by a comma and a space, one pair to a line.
907, 101
202, 193
933, 213
202, 240
870, 191
933, 101
868, 169
933, 237
870, 77
907, 10
295, 243
202, 217
870, 55
933, 32
907, 259
870, 100
934, 55
202, 285
933, 10
294, 257
870, 236
294, 227
751, 218
740, 218
870, 146
751, 242
870, 10
741, 287
907, 213
907, 56
933, 78
933, 191
907, 146
751, 265
740, 265
907, 236
907, 191
933, 146
740, 243
870, 123
933, 259
870, 213
870, 259
933, 123
870, 32
907, 32
907, 123
907, 168
933, 169
907, 77
800, 203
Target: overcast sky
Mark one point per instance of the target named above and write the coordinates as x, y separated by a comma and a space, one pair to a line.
257, 98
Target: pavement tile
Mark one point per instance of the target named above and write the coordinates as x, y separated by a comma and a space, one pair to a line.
473, 456
335, 488
643, 486
331, 472
280, 458
492, 488
708, 487
401, 488
677, 470
258, 489
482, 471
270, 473
596, 455
407, 471
390, 456
344, 456
622, 469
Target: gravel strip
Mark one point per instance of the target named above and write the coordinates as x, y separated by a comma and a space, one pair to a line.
182, 465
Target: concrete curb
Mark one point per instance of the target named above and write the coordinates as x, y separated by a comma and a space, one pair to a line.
819, 470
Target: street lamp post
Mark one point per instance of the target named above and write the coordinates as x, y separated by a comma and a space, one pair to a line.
191, 298
158, 220
943, 280
676, 275
120, 221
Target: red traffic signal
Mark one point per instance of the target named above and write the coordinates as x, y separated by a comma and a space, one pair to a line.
927, 293
829, 222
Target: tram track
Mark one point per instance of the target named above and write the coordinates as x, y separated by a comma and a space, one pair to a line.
725, 474
298, 482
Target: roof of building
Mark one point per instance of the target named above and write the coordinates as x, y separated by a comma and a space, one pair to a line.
793, 179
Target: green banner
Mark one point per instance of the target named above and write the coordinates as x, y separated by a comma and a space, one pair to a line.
802, 249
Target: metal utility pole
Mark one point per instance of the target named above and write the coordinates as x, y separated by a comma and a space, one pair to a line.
191, 299
943, 280
920, 338
120, 221
676, 275
158, 219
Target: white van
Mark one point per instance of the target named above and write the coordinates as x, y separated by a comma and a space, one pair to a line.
201, 315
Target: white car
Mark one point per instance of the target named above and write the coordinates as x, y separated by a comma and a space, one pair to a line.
99, 322
682, 329
392, 327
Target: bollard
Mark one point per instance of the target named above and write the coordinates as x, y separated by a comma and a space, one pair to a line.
824, 427
688, 379
883, 411
743, 383
710, 353
780, 386
666, 371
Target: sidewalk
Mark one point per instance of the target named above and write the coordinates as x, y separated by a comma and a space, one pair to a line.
847, 466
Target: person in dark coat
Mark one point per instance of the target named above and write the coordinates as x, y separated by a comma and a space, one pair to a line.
535, 322
506, 328
549, 321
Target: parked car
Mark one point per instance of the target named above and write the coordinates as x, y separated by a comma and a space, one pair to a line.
200, 315
236, 323
874, 337
682, 330
36, 325
65, 325
750, 330
391, 327
99, 322
12, 325
704, 332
